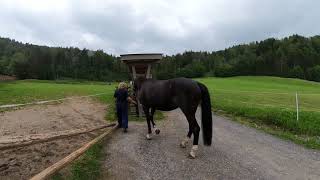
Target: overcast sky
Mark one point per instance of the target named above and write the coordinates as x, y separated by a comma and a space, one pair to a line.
166, 26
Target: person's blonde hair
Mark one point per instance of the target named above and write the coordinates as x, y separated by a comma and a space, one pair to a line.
122, 85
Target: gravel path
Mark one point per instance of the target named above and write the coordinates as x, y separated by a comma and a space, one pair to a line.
238, 152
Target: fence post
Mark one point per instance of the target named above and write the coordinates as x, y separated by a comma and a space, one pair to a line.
297, 105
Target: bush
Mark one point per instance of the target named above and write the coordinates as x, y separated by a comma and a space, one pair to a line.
19, 65
225, 70
164, 75
193, 70
296, 72
185, 72
314, 73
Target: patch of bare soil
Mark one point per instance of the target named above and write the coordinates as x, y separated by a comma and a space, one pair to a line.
6, 78
24, 162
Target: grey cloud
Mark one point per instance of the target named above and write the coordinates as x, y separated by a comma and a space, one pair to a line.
160, 26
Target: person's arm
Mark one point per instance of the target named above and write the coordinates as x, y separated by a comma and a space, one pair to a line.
131, 100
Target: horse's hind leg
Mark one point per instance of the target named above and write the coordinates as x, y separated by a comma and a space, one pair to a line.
196, 131
194, 128
146, 111
152, 113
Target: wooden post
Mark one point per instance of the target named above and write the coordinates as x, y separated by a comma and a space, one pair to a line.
297, 106
148, 76
134, 77
139, 107
134, 72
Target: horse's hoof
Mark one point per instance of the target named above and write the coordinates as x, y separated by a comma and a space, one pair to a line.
193, 151
148, 137
157, 131
192, 155
183, 144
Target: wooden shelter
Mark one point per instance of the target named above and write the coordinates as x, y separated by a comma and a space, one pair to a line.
140, 66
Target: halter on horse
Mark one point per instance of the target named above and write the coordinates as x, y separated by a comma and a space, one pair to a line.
183, 93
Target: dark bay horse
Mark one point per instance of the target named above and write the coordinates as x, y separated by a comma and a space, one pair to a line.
183, 93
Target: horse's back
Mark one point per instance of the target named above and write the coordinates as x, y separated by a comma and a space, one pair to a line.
185, 86
170, 94
174, 87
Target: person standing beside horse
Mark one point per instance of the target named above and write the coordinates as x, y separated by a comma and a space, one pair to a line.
122, 99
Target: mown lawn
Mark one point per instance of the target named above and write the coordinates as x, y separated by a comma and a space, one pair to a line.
25, 91
270, 101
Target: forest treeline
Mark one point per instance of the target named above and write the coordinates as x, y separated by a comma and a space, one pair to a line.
27, 61
295, 56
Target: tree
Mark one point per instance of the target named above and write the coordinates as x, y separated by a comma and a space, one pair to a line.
294, 56
4, 65
19, 65
297, 72
314, 73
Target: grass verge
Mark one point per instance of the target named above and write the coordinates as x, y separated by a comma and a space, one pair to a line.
88, 166
269, 104
308, 141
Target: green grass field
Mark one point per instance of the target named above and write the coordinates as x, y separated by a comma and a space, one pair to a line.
35, 90
266, 103
269, 100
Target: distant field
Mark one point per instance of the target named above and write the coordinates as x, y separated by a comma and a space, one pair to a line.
34, 90
270, 100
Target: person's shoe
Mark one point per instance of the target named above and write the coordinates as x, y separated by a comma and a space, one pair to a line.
118, 126
125, 130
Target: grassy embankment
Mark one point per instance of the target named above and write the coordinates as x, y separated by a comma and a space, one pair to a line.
269, 103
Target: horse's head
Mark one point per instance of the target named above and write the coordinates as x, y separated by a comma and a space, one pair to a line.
137, 83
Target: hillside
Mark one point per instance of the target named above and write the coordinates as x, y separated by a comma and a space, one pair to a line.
28, 61
295, 56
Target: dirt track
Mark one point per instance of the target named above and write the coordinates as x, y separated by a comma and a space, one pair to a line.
23, 162
238, 152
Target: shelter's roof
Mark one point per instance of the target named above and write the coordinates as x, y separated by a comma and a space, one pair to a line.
141, 58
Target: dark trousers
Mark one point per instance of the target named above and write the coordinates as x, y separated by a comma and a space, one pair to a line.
122, 113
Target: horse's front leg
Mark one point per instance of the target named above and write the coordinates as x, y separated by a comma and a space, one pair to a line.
186, 140
146, 112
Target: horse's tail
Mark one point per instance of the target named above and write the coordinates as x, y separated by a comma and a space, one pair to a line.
206, 119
